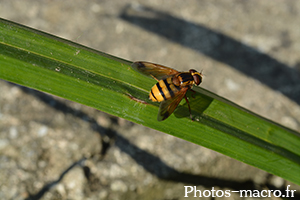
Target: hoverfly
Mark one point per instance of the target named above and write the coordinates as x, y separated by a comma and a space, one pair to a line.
171, 87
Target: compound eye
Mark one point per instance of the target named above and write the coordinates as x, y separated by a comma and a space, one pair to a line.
197, 76
192, 71
197, 79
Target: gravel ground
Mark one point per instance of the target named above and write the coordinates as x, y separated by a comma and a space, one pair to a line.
249, 53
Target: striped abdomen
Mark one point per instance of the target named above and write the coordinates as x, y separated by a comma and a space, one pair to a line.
163, 90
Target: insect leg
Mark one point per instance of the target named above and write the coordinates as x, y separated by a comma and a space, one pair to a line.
194, 92
154, 77
136, 99
189, 107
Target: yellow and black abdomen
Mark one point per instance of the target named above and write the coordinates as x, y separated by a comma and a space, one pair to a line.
163, 90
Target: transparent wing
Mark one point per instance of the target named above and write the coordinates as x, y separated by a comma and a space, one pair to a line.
167, 107
156, 71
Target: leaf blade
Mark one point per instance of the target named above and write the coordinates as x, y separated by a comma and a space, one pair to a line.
63, 68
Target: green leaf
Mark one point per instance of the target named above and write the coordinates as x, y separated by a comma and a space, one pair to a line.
44, 62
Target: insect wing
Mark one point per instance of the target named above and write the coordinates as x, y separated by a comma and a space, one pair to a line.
156, 71
167, 107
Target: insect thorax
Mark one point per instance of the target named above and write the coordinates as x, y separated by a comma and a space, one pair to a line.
184, 80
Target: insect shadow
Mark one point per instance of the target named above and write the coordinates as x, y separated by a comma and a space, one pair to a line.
198, 102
